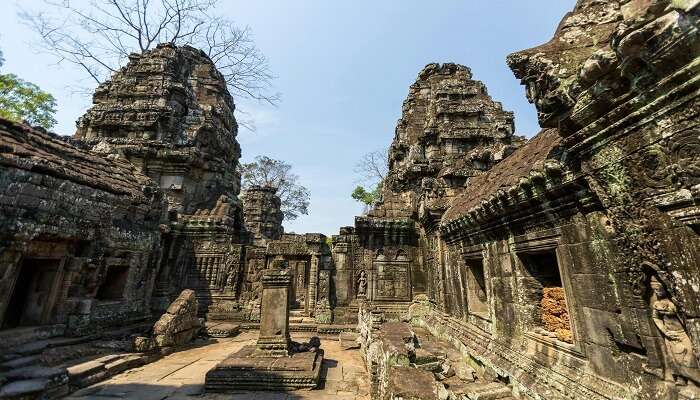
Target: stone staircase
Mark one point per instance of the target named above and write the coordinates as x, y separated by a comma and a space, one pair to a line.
43, 363
455, 379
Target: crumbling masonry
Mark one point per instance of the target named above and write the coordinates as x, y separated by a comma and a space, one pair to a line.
563, 266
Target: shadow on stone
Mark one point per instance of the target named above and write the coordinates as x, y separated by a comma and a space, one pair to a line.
168, 392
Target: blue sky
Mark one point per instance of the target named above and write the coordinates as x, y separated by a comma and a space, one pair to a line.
343, 68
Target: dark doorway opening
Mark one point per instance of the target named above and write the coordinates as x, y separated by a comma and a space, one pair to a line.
32, 296
115, 281
477, 300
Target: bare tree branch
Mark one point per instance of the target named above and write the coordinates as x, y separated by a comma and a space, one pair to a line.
98, 38
373, 167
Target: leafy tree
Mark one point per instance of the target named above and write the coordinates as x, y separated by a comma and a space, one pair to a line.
368, 198
97, 36
267, 172
24, 101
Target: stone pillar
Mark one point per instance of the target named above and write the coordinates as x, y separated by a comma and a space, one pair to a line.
313, 282
344, 277
274, 337
440, 260
323, 312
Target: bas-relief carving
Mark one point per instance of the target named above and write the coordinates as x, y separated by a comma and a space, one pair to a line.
434, 138
391, 276
674, 163
681, 361
323, 285
362, 284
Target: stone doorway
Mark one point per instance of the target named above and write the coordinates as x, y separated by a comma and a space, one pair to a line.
33, 293
300, 284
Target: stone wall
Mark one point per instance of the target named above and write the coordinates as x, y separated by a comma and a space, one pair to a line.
600, 207
80, 234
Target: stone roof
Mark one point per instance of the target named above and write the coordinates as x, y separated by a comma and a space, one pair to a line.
552, 71
450, 130
169, 94
506, 174
24, 147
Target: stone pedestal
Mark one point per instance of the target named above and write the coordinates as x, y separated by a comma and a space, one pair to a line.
270, 364
274, 319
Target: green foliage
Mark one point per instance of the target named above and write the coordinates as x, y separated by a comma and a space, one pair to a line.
267, 172
24, 101
367, 197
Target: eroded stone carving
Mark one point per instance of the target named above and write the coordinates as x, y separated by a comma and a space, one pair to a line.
682, 361
362, 284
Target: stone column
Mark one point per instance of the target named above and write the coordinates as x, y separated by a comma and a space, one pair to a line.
313, 282
344, 277
323, 312
274, 340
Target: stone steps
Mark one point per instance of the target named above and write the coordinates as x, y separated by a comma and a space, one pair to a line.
16, 337
53, 366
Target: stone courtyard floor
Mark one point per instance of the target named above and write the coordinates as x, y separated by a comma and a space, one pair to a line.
180, 376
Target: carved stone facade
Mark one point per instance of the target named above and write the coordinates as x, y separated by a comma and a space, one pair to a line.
80, 235
567, 269
169, 113
565, 266
262, 214
450, 131
587, 236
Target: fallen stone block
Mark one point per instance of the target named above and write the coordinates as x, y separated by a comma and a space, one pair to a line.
411, 384
221, 329
423, 356
488, 391
19, 362
464, 372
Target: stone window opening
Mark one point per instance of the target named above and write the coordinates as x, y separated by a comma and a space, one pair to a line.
113, 286
545, 291
477, 293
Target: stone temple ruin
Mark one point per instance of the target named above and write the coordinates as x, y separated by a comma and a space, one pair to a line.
494, 267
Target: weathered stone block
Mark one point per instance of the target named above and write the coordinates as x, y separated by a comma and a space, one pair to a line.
411, 384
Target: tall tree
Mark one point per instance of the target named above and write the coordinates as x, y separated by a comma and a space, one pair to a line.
267, 172
24, 101
98, 36
371, 170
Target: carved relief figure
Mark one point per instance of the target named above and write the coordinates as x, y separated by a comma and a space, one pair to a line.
323, 286
231, 278
362, 284
681, 360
